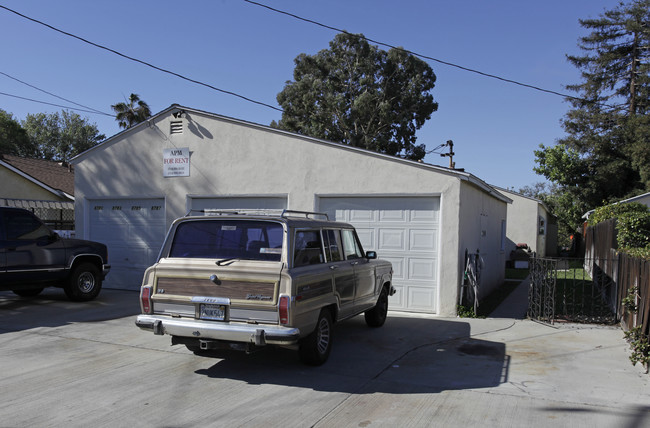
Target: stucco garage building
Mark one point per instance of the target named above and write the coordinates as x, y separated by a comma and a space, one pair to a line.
422, 218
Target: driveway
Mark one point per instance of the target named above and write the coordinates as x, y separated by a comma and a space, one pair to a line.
86, 364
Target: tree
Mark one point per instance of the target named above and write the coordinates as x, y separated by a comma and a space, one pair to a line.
13, 138
606, 153
60, 137
356, 94
131, 113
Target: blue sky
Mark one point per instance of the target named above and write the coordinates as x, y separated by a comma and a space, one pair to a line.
249, 50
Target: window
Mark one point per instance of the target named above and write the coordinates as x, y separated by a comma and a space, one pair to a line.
308, 248
249, 240
21, 225
351, 246
332, 246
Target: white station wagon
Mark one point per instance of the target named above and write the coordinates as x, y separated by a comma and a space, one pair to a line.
243, 281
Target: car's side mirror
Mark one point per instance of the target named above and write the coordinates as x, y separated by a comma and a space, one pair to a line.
371, 255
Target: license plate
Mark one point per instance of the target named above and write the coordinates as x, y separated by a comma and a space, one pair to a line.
212, 312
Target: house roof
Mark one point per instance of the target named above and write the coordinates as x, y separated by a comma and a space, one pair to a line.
637, 198
178, 109
50, 175
517, 194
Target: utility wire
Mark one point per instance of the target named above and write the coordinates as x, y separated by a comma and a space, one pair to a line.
140, 61
52, 104
88, 109
450, 64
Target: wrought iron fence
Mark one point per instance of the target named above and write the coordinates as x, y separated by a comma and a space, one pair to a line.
574, 290
541, 295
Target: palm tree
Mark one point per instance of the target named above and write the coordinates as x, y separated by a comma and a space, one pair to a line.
132, 113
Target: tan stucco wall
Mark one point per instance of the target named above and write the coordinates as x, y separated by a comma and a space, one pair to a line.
14, 186
233, 159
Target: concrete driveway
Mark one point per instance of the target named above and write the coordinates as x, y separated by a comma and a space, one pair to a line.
86, 364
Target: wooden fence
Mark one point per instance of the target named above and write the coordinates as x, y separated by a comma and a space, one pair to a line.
630, 276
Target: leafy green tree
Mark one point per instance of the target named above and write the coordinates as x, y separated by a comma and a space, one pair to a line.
606, 153
60, 137
356, 94
13, 138
131, 112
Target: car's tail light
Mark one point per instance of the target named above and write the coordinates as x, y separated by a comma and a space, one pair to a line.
284, 309
145, 300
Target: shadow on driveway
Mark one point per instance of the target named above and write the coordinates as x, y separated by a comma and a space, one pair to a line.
52, 308
407, 355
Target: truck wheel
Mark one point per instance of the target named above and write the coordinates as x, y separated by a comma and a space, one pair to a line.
84, 284
28, 292
376, 317
315, 348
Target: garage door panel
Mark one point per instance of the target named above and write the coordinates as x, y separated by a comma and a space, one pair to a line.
398, 266
423, 269
398, 300
420, 298
367, 238
423, 240
392, 240
404, 231
361, 216
387, 216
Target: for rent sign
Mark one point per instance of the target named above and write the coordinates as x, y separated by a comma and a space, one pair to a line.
176, 162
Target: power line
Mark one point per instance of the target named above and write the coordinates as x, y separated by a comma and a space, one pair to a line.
89, 109
140, 61
450, 64
51, 104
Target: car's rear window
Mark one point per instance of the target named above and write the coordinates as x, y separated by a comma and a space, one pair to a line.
221, 239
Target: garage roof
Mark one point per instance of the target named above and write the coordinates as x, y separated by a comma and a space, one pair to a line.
178, 110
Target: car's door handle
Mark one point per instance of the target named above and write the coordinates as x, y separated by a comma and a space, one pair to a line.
354, 263
334, 267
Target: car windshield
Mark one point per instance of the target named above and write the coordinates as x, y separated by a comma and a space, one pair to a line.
228, 239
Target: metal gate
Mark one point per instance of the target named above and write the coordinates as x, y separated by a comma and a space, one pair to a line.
573, 290
541, 295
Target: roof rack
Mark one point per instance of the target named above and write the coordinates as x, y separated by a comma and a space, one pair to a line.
246, 211
212, 212
286, 213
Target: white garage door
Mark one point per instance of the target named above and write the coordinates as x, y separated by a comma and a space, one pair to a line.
239, 203
133, 230
403, 230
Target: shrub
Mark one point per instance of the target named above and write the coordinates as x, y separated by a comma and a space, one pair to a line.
632, 226
615, 211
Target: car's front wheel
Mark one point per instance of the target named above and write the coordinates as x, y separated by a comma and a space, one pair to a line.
315, 348
84, 283
376, 317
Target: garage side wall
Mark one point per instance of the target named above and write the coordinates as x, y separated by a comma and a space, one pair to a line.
483, 232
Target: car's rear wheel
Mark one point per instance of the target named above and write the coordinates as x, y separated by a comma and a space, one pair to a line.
376, 317
315, 348
28, 292
84, 283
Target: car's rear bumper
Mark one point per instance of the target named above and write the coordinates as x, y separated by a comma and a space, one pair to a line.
257, 334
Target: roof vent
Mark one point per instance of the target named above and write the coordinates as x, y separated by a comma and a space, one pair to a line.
176, 127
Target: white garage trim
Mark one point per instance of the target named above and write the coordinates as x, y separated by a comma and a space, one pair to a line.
404, 230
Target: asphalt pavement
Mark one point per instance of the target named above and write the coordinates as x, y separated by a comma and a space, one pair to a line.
86, 364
